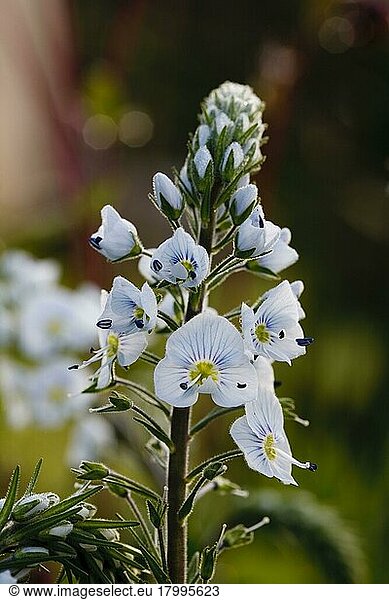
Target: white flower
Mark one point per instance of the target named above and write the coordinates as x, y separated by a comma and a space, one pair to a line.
261, 437
54, 394
56, 320
116, 237
180, 260
273, 330
13, 392
125, 348
206, 355
201, 161
297, 289
167, 196
92, 437
256, 235
6, 577
144, 267
282, 255
243, 202
129, 309
26, 275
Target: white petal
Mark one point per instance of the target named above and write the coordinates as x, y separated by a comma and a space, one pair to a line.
230, 390
167, 378
251, 446
130, 348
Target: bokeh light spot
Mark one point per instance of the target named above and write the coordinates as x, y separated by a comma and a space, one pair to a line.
336, 35
100, 132
135, 129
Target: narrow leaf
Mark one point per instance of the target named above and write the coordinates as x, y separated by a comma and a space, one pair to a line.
10, 497
34, 478
157, 432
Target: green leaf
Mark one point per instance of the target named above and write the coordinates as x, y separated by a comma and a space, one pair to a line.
211, 416
104, 524
34, 478
157, 432
263, 272
10, 497
133, 486
155, 567
187, 505
193, 568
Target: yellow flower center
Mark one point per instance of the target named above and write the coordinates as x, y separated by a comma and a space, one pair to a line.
113, 344
188, 265
56, 394
138, 313
202, 370
262, 334
54, 327
268, 446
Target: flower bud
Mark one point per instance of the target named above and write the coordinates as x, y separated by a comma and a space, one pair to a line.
221, 122
203, 171
30, 506
62, 530
116, 238
93, 470
243, 202
185, 178
208, 563
203, 134
87, 511
214, 470
112, 535
233, 158
252, 151
167, 196
2, 500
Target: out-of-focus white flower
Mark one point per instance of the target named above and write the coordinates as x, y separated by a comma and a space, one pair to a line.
116, 238
180, 260
206, 355
256, 235
14, 395
61, 531
23, 275
57, 321
261, 437
273, 330
129, 309
55, 394
91, 439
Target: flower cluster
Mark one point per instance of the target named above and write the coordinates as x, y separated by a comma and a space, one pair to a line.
211, 204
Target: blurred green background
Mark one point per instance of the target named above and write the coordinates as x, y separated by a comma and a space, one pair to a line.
96, 97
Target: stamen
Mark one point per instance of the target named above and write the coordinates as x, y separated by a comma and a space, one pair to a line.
139, 323
157, 265
306, 341
307, 465
184, 386
192, 275
281, 335
73, 367
241, 386
104, 323
262, 522
312, 466
95, 241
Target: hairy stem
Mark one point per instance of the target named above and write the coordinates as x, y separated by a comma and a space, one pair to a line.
179, 460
